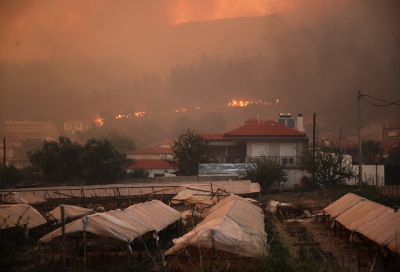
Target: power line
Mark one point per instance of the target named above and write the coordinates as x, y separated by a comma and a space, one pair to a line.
340, 118
387, 102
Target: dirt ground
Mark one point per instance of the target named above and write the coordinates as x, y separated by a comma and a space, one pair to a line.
348, 255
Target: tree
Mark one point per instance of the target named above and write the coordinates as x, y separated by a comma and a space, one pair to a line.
267, 171
138, 173
394, 155
30, 144
31, 173
121, 142
102, 161
330, 167
189, 150
9, 176
370, 149
58, 161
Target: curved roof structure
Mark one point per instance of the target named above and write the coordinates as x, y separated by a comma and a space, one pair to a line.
233, 225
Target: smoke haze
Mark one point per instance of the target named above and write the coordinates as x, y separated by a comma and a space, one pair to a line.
182, 62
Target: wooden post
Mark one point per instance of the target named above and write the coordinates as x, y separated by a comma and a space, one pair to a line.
76, 250
128, 256
358, 257
334, 228
213, 247
84, 249
63, 237
140, 250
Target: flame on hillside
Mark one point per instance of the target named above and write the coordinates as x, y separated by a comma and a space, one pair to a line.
99, 122
235, 103
139, 113
122, 116
241, 103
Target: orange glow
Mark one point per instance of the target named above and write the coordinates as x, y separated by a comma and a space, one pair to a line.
120, 116
277, 102
139, 113
99, 122
186, 11
241, 103
178, 110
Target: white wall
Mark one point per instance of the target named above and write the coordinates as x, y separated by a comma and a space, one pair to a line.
369, 175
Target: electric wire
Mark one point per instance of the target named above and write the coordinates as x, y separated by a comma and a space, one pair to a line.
340, 118
387, 102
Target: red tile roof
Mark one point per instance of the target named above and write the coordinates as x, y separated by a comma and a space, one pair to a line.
214, 137
150, 164
152, 150
263, 128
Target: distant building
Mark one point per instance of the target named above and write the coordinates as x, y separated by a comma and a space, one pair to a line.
71, 126
257, 137
155, 167
22, 130
151, 159
391, 133
391, 138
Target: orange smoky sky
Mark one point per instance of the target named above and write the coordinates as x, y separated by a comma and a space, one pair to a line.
136, 29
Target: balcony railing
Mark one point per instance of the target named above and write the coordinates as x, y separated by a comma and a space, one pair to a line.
287, 160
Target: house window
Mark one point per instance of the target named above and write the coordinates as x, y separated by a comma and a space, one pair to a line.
259, 149
288, 153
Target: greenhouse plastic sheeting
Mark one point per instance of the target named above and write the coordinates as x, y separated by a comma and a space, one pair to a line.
378, 223
101, 224
155, 213
360, 213
237, 187
70, 211
383, 229
343, 204
233, 225
20, 215
199, 196
133, 189
22, 198
125, 224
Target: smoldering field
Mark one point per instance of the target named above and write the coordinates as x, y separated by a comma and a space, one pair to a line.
162, 78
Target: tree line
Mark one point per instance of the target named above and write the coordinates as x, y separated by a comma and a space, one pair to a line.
97, 161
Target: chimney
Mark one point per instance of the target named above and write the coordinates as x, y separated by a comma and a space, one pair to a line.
300, 122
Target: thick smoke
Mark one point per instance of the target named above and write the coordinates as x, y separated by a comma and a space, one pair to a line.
173, 60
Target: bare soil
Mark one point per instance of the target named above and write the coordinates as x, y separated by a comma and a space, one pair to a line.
349, 256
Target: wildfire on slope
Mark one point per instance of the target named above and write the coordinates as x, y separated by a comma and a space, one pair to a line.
235, 103
241, 103
121, 116
99, 122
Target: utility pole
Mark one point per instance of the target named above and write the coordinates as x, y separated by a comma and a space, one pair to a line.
340, 141
313, 171
341, 153
4, 152
359, 142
